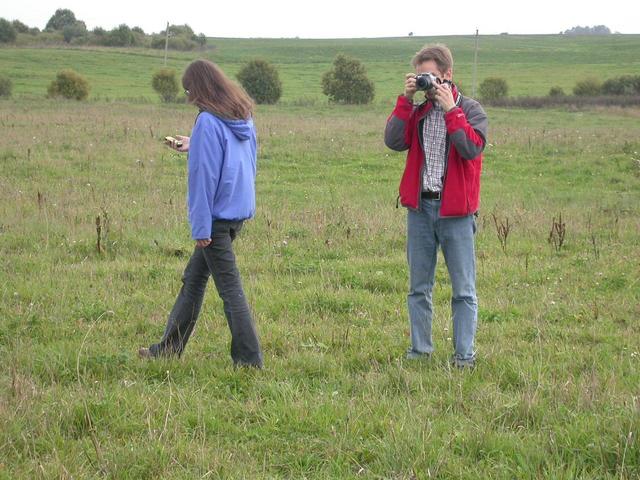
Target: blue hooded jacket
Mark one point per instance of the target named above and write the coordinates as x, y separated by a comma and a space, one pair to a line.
222, 172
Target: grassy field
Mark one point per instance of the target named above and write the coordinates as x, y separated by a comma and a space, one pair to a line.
530, 64
556, 392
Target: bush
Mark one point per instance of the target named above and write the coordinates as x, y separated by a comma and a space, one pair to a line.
5, 87
493, 88
624, 85
261, 81
69, 84
347, 82
61, 19
165, 83
7, 31
588, 87
556, 92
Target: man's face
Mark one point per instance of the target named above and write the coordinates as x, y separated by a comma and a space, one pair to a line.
432, 66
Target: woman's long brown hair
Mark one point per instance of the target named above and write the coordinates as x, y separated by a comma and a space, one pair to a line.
211, 90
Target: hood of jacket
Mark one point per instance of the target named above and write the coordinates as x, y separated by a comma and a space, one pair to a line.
240, 128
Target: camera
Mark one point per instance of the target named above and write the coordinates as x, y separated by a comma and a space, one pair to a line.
426, 81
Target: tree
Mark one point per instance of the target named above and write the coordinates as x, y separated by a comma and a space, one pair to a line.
493, 88
122, 36
177, 30
61, 19
7, 32
20, 27
165, 83
261, 81
181, 37
77, 30
347, 82
69, 84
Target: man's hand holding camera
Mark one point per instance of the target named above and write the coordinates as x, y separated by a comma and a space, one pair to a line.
437, 90
443, 95
410, 86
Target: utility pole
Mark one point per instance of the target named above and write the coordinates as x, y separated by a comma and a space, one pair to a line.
166, 44
475, 67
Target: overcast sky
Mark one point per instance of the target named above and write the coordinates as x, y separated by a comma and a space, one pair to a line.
339, 18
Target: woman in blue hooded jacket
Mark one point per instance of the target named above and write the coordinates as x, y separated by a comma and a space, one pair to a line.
221, 195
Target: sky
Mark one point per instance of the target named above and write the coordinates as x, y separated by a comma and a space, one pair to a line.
339, 18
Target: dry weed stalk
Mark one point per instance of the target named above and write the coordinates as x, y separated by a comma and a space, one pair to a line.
557, 233
102, 230
503, 228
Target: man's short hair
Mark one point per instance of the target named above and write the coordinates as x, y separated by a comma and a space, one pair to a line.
439, 53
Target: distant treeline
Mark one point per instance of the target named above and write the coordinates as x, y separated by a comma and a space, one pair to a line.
595, 30
64, 27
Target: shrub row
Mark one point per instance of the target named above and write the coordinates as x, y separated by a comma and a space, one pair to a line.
347, 83
495, 89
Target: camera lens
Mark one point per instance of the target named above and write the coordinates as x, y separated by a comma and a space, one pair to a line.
424, 82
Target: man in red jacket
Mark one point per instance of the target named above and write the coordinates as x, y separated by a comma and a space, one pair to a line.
445, 136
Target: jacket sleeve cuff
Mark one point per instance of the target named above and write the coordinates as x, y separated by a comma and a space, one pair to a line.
201, 229
455, 119
404, 108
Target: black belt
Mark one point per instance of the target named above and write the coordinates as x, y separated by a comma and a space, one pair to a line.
430, 195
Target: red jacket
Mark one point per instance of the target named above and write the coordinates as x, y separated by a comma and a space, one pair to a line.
466, 138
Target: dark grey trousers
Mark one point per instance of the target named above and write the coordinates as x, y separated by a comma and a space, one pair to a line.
216, 260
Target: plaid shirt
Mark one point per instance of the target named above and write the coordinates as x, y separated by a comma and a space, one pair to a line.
434, 139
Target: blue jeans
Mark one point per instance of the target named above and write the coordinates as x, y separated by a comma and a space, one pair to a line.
426, 230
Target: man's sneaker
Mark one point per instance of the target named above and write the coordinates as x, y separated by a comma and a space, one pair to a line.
145, 353
463, 364
413, 355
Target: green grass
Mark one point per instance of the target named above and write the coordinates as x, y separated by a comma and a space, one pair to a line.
555, 393
531, 64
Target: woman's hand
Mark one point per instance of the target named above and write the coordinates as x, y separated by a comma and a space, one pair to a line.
203, 243
184, 147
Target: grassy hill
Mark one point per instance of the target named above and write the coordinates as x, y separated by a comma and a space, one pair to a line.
530, 64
